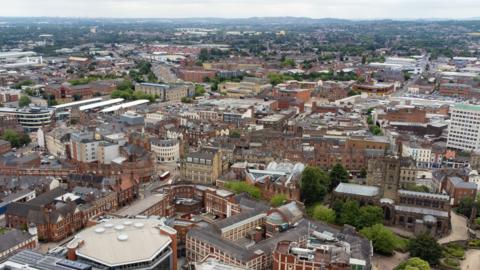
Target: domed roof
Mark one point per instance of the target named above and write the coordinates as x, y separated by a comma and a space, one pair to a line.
275, 218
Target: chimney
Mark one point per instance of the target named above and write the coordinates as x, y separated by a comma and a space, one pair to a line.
72, 248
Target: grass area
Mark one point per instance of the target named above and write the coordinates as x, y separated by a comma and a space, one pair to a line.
474, 243
3, 230
450, 263
454, 251
401, 244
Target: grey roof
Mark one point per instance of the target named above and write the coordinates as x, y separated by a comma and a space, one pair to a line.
419, 210
45, 262
424, 194
459, 183
12, 238
355, 189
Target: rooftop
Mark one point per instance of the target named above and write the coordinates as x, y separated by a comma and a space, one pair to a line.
122, 241
357, 189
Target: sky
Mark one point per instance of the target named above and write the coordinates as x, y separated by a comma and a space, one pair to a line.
348, 9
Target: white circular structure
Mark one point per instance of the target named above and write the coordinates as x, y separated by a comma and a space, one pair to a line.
122, 237
100, 230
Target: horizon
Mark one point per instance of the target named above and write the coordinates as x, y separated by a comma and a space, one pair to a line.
235, 9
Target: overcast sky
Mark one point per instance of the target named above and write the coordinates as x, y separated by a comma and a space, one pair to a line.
350, 9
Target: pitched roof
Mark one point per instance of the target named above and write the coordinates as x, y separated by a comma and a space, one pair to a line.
12, 238
355, 189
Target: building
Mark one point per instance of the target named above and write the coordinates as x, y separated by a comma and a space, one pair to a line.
249, 239
464, 127
165, 150
377, 89
202, 167
277, 178
166, 92
458, 189
32, 260
5, 147
195, 75
57, 213
126, 244
13, 241
68, 91
30, 118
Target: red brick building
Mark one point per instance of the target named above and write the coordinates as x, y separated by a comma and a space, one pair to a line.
195, 75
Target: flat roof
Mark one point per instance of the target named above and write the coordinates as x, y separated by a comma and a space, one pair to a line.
357, 189
125, 105
140, 206
468, 107
101, 104
122, 241
75, 103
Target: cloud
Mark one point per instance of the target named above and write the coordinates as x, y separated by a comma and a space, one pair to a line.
351, 9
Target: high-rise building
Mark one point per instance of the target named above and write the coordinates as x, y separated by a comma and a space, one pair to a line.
464, 128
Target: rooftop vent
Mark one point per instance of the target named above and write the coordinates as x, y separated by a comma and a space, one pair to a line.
108, 225
138, 225
119, 227
100, 230
122, 237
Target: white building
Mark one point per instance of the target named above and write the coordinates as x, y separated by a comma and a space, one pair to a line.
165, 150
108, 152
464, 127
126, 244
421, 155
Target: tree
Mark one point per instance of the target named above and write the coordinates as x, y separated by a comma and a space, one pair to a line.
349, 213
414, 263
363, 173
24, 101
243, 187
465, 206
313, 185
425, 247
16, 139
323, 213
199, 90
369, 216
77, 97
383, 240
338, 175
278, 200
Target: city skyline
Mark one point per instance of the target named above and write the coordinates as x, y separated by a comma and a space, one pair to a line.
343, 9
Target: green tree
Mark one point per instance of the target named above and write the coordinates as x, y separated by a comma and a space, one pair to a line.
16, 139
24, 101
465, 206
363, 173
383, 240
278, 200
425, 247
349, 213
243, 187
369, 216
323, 213
338, 175
313, 185
414, 263
199, 90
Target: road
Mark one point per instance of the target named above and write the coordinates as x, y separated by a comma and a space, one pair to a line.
388, 263
471, 261
164, 73
459, 229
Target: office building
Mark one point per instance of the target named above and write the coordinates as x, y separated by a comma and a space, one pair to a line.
464, 128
